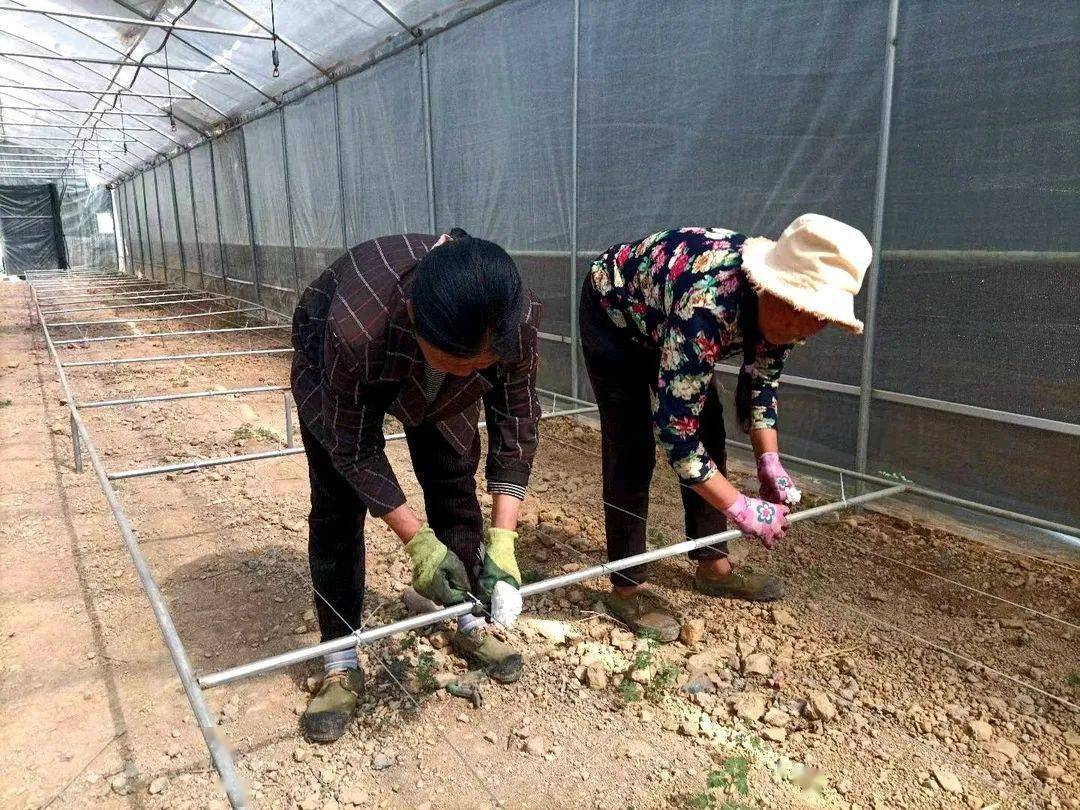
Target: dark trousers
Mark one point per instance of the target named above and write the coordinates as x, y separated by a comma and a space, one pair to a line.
623, 373
336, 521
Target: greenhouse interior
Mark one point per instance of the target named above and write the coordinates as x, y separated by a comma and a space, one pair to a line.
235, 149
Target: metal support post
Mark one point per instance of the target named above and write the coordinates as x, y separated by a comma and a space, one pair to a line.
217, 218
288, 203
161, 227
76, 447
195, 218
287, 400
340, 167
176, 219
573, 293
250, 220
425, 93
866, 382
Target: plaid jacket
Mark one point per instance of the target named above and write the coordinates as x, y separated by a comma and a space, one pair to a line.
357, 359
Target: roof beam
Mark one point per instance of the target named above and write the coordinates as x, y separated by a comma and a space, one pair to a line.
84, 110
70, 125
96, 92
118, 62
139, 22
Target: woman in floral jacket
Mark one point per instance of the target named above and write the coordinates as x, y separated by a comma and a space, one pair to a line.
657, 315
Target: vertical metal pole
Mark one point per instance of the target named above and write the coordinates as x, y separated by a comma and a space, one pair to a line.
138, 226
288, 203
176, 219
76, 444
251, 221
862, 445
425, 93
288, 400
146, 227
160, 225
121, 253
573, 208
217, 219
340, 168
195, 218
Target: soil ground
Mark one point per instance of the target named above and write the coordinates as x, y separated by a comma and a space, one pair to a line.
898, 671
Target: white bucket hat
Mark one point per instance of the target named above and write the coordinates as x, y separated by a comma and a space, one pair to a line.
817, 265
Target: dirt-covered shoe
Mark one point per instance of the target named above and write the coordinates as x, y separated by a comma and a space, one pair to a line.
742, 583
645, 611
482, 649
331, 710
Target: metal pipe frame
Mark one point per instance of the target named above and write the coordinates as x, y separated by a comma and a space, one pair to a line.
127, 54
166, 335
182, 300
101, 61
139, 293
75, 127
944, 406
138, 22
275, 662
83, 92
84, 111
172, 358
112, 321
866, 376
216, 745
429, 145
931, 494
138, 287
115, 403
201, 464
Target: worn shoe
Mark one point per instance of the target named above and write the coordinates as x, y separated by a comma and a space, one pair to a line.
331, 710
645, 611
482, 649
741, 583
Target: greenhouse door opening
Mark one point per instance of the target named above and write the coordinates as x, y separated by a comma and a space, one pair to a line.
31, 236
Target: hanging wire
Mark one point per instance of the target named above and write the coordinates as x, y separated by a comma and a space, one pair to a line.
123, 130
274, 56
168, 81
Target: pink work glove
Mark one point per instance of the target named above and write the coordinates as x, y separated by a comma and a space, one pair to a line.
776, 484
766, 521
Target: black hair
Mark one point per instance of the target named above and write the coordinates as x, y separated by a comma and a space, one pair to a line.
468, 297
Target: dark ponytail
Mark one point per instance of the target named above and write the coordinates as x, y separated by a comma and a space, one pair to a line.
468, 297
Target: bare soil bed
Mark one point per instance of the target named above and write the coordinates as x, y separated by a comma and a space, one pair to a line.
879, 681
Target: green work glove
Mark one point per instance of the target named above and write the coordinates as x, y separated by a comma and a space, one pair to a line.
500, 565
438, 574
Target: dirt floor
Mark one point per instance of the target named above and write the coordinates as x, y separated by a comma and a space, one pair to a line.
890, 676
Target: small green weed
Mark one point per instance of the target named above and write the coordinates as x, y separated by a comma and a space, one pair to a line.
663, 677
732, 779
425, 673
247, 431
5, 403
629, 691
1074, 678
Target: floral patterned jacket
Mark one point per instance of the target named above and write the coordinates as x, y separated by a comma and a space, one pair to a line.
684, 293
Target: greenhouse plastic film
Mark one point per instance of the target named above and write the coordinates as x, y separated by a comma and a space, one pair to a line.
314, 185
383, 154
